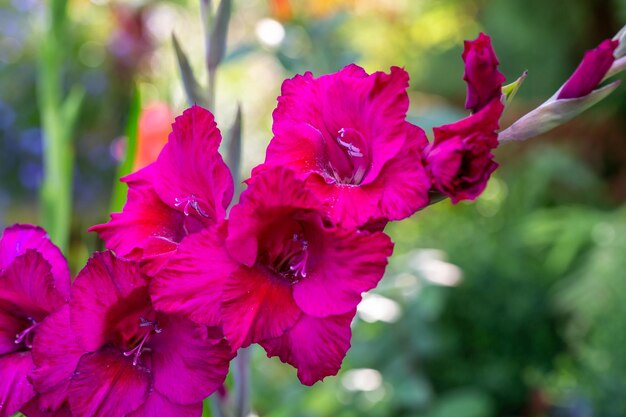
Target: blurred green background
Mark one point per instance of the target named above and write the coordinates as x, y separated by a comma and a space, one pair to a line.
511, 306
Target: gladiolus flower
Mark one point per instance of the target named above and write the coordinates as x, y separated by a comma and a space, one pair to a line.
460, 159
187, 189
279, 273
34, 282
116, 356
590, 72
346, 135
459, 162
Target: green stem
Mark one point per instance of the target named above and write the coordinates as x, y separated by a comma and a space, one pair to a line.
118, 199
58, 117
242, 383
212, 75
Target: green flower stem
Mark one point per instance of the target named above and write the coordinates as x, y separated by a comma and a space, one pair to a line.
120, 189
58, 119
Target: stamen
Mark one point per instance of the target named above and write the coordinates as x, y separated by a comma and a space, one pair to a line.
348, 158
192, 202
24, 335
143, 322
352, 149
139, 349
300, 257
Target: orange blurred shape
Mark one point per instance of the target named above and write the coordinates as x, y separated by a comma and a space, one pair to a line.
281, 9
284, 10
155, 124
321, 8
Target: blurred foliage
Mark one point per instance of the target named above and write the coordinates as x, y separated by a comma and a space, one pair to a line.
512, 306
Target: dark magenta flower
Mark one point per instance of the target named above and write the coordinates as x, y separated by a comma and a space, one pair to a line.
279, 274
346, 135
114, 355
460, 160
484, 81
34, 282
187, 189
590, 71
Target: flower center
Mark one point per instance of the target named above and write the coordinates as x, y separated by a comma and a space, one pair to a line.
290, 260
152, 328
348, 157
27, 335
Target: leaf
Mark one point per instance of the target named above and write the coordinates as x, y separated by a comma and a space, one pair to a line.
71, 107
553, 113
219, 34
206, 13
132, 135
618, 66
621, 48
510, 90
190, 84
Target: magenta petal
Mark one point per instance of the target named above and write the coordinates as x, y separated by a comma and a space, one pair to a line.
27, 283
103, 283
192, 282
275, 193
55, 355
352, 263
340, 202
15, 390
460, 159
484, 81
590, 71
10, 326
144, 216
444, 162
314, 346
187, 366
406, 183
298, 146
256, 306
17, 239
157, 405
156, 254
190, 173
107, 384
35, 409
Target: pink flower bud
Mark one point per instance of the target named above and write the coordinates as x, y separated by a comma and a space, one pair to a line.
484, 81
590, 72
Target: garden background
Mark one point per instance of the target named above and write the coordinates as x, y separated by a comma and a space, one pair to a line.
511, 306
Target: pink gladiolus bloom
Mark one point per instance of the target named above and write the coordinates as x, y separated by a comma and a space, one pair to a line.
346, 135
460, 160
116, 356
187, 189
34, 282
590, 72
279, 274
484, 81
